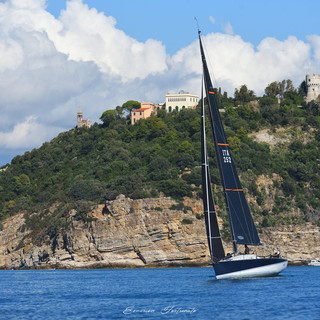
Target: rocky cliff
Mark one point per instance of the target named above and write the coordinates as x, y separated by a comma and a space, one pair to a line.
138, 233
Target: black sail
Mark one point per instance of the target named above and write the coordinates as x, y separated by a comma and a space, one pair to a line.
242, 226
212, 227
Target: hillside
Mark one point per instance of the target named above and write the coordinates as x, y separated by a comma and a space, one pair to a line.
275, 146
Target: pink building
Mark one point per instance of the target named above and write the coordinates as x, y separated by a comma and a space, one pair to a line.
147, 108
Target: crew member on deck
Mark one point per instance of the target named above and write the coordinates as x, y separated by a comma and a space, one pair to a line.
276, 253
246, 249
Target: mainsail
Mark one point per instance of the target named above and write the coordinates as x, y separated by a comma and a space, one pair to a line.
242, 226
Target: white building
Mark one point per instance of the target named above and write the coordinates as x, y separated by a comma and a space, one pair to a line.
313, 86
181, 100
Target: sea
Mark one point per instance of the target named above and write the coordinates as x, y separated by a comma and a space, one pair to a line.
168, 293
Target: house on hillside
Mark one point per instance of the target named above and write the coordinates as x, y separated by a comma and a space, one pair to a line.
144, 112
181, 100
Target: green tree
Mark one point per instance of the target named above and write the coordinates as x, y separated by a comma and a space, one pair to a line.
22, 182
91, 190
108, 117
120, 111
156, 127
159, 169
244, 94
130, 105
9, 206
272, 90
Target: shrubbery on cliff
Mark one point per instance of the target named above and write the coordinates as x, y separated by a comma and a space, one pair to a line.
162, 154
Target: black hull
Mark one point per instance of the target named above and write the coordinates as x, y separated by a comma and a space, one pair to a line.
259, 267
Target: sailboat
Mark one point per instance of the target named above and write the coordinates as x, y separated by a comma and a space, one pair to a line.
243, 230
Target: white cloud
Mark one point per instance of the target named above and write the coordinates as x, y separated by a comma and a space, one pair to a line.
314, 41
87, 35
234, 62
228, 28
27, 134
50, 67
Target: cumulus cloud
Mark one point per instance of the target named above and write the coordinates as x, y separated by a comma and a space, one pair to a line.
234, 62
50, 67
314, 41
87, 35
26, 134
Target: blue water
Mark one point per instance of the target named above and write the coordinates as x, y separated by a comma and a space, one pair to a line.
180, 293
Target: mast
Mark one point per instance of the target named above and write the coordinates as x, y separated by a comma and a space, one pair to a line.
242, 227
211, 221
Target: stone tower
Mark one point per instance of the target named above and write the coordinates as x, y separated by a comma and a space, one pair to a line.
313, 86
79, 119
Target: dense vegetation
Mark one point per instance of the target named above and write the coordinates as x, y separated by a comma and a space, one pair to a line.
83, 166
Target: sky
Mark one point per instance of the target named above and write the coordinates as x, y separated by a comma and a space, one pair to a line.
57, 56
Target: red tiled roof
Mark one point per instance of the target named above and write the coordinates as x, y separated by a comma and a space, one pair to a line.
141, 109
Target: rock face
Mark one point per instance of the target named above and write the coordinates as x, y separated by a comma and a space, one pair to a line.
298, 243
138, 233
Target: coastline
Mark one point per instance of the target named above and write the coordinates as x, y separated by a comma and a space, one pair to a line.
98, 266
127, 233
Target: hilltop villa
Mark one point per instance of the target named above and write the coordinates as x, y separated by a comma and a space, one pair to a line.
180, 100
144, 112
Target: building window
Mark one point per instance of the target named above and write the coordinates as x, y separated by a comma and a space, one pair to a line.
177, 108
170, 109
183, 107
